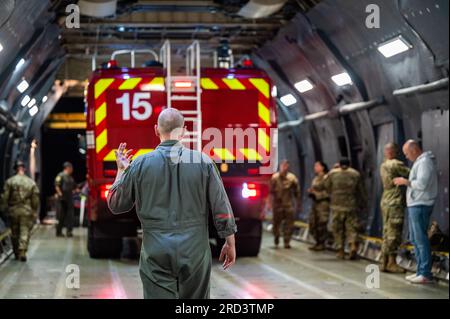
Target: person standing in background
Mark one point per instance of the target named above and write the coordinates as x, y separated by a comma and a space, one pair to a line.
65, 187
21, 201
393, 203
320, 211
421, 195
348, 195
284, 191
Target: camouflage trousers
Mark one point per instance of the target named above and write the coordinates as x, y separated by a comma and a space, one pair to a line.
345, 225
318, 221
21, 225
283, 216
393, 217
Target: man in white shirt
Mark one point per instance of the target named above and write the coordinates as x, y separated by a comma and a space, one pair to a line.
420, 197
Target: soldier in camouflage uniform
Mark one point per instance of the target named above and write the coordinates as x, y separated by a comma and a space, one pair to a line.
284, 190
393, 204
348, 195
320, 211
21, 200
65, 187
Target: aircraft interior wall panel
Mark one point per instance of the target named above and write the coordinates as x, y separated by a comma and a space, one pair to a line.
368, 164
289, 149
43, 52
19, 28
435, 138
430, 21
358, 44
328, 131
307, 137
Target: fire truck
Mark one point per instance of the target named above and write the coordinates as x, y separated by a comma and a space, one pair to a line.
233, 105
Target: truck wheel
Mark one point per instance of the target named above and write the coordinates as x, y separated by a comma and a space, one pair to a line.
103, 247
248, 237
248, 246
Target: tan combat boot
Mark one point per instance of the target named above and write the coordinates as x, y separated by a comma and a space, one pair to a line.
22, 255
393, 267
341, 254
383, 263
353, 251
317, 247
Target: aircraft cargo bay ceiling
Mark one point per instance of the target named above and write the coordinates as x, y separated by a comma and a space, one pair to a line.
246, 25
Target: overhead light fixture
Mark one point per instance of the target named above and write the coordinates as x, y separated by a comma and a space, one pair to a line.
303, 86
31, 103
121, 29
20, 63
33, 110
274, 91
1, 47
394, 46
288, 100
342, 79
26, 99
44, 99
23, 86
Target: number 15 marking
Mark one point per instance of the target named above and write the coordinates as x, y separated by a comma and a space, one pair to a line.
141, 109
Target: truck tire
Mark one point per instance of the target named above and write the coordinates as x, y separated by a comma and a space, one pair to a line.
99, 247
248, 247
248, 238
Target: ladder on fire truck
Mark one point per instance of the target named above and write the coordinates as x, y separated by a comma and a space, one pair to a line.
176, 85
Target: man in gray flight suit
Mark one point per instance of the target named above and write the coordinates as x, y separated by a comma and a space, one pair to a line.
174, 189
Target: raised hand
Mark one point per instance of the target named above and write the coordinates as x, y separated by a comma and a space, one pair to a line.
123, 157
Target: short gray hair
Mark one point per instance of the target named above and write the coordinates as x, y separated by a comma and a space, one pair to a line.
169, 120
410, 144
392, 147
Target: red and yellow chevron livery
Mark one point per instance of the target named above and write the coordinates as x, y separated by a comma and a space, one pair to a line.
123, 105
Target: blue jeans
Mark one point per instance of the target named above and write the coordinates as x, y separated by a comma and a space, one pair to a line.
419, 220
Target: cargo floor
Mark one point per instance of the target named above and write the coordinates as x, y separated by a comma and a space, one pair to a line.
276, 273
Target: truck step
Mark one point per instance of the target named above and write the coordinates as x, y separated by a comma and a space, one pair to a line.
183, 98
189, 112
